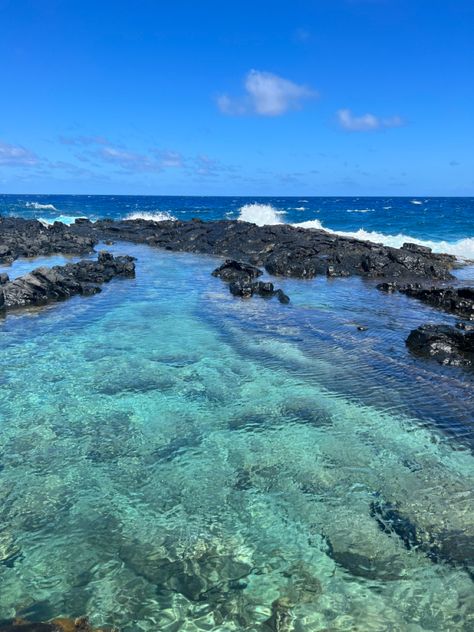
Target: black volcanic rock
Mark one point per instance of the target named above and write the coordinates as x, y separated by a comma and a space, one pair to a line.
240, 277
246, 289
44, 285
31, 238
282, 249
456, 300
444, 343
232, 270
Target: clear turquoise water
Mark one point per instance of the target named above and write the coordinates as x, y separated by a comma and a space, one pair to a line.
173, 458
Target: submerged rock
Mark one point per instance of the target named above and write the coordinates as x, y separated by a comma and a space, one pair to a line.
45, 285
281, 617
56, 625
455, 300
454, 548
444, 343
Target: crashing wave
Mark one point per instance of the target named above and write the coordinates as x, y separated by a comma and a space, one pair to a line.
41, 207
462, 248
64, 219
260, 214
151, 217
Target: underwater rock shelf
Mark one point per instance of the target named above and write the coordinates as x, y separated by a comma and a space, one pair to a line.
45, 285
57, 625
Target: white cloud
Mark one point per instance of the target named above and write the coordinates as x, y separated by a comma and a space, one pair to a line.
366, 122
127, 160
266, 94
16, 156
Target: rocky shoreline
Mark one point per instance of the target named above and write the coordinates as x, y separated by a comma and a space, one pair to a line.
45, 285
282, 250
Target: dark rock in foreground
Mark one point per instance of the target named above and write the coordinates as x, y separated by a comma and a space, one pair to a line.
456, 300
45, 285
31, 238
444, 343
240, 276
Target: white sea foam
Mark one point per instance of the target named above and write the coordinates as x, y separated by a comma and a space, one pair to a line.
416, 202
64, 219
158, 216
261, 214
462, 248
41, 207
299, 208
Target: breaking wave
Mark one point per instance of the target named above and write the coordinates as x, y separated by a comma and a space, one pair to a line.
152, 217
41, 207
260, 214
462, 248
64, 219
264, 214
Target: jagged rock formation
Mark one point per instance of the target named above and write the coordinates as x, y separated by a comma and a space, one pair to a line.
45, 285
444, 343
456, 300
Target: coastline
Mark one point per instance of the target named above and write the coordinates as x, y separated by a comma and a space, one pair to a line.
269, 414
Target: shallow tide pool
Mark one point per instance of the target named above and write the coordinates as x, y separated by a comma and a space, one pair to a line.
173, 458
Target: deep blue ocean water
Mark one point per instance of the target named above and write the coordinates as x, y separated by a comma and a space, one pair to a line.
174, 458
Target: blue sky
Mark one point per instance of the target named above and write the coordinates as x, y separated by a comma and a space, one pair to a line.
314, 97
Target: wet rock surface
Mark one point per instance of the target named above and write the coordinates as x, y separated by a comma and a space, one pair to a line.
233, 271
31, 238
259, 288
282, 249
45, 285
446, 344
240, 278
455, 300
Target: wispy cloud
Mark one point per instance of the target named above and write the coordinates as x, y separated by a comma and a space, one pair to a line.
17, 156
128, 160
169, 158
83, 140
266, 94
366, 122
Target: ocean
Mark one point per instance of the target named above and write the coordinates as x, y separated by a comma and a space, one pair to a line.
175, 458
